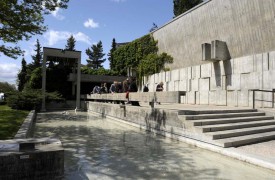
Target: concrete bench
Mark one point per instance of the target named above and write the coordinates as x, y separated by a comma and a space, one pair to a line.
161, 97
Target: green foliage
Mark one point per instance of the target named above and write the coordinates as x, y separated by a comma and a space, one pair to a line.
37, 58
111, 55
70, 44
181, 6
21, 77
153, 28
22, 19
95, 56
35, 80
140, 54
6, 87
30, 99
100, 71
10, 121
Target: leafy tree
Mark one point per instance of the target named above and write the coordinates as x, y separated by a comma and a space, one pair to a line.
181, 6
142, 55
5, 87
95, 56
21, 77
154, 27
37, 58
70, 44
111, 56
21, 20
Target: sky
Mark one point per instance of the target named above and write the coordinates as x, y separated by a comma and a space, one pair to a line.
91, 21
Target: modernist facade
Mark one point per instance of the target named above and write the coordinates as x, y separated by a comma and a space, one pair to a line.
222, 50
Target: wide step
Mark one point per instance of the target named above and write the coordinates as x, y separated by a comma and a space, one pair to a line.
240, 132
221, 127
191, 112
230, 120
248, 139
227, 115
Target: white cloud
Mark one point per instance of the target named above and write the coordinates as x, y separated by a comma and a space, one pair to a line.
56, 14
82, 37
53, 37
8, 72
90, 23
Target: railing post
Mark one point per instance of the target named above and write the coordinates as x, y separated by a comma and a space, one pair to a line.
253, 98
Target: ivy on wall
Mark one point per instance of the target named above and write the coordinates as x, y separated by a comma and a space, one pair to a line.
141, 55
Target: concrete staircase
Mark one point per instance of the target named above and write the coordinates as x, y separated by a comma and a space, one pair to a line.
232, 128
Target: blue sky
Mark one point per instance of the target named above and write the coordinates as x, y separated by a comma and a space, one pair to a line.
90, 21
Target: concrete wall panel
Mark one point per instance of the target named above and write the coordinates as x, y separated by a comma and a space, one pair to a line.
204, 84
190, 97
204, 97
183, 74
194, 84
175, 75
232, 98
272, 60
206, 70
243, 98
212, 97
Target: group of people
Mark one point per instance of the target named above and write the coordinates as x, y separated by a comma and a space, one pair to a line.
128, 85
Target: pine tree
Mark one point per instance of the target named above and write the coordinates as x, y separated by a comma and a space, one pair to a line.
181, 6
111, 56
21, 77
95, 55
37, 58
154, 27
70, 44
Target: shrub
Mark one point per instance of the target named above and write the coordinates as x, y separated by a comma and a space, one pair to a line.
30, 99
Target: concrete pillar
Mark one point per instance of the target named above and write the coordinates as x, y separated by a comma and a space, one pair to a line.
43, 108
78, 80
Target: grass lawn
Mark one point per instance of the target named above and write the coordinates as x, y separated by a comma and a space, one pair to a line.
10, 121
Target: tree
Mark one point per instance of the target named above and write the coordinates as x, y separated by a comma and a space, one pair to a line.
6, 87
70, 44
111, 55
21, 20
95, 56
154, 27
37, 58
21, 77
181, 6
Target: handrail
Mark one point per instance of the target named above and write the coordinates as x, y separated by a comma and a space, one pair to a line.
253, 90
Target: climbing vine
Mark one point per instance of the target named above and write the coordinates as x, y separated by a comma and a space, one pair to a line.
141, 55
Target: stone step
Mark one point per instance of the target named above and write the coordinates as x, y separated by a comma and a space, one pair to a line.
230, 120
240, 132
226, 115
222, 127
197, 112
247, 139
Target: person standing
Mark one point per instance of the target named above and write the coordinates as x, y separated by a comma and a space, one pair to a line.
145, 88
160, 87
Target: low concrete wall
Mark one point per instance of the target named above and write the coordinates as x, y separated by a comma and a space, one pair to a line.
152, 119
165, 97
26, 127
44, 161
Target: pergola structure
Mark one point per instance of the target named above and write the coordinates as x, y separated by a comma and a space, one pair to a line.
64, 57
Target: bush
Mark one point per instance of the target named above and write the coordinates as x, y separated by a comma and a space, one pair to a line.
30, 99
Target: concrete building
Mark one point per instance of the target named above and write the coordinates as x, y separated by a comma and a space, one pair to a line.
222, 50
